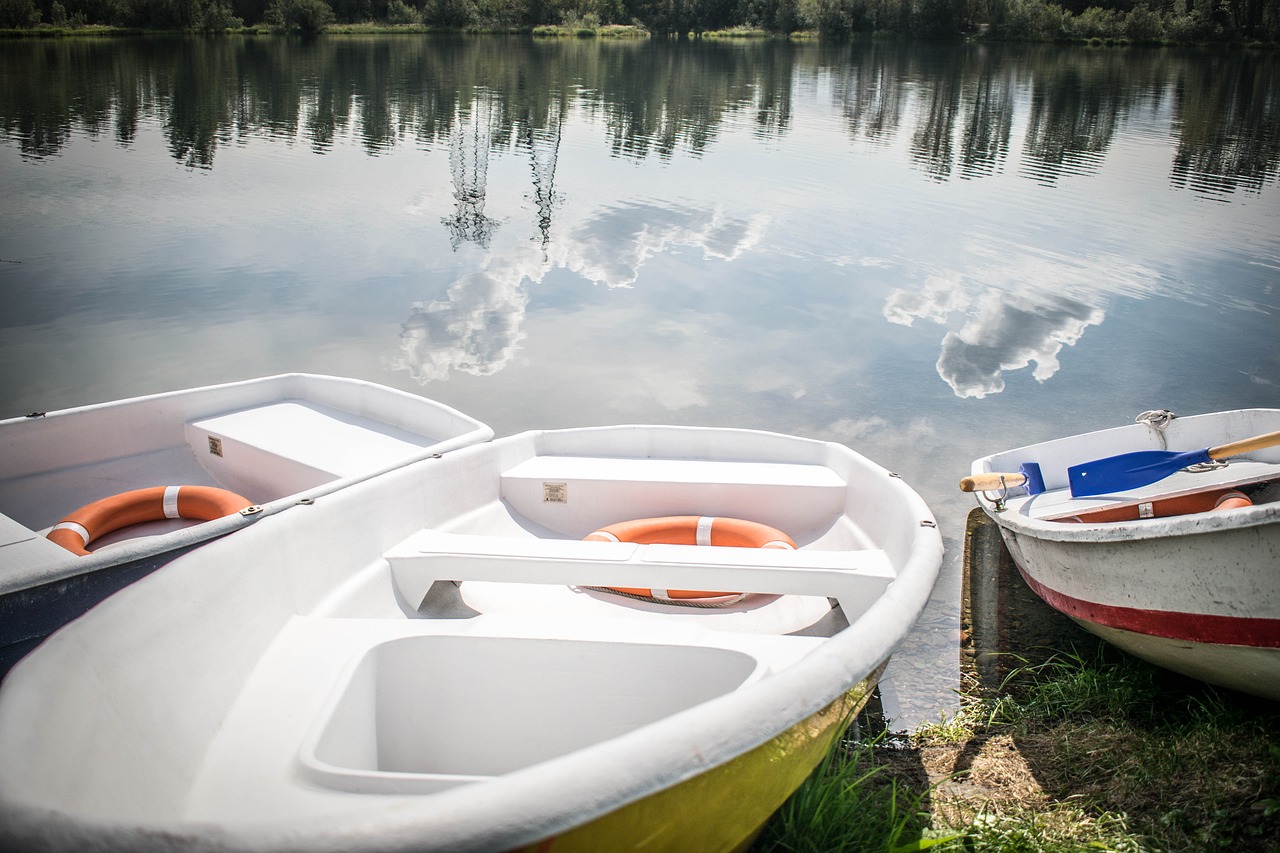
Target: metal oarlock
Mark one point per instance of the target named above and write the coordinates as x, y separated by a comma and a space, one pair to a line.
998, 500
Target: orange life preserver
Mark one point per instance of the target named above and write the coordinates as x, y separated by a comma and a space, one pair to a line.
1206, 501
691, 530
203, 503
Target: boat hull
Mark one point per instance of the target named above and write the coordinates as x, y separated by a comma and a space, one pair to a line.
726, 807
1196, 605
29, 615
1198, 594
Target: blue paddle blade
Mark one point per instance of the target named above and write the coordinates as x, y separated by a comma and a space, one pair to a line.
1129, 470
1035, 479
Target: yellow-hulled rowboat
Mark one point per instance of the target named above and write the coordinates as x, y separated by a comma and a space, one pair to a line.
444, 658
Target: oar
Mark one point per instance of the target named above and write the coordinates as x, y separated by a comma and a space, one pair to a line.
1029, 473
1131, 470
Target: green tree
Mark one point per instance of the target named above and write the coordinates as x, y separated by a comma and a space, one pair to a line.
939, 17
217, 16
161, 14
350, 11
604, 11
664, 16
250, 11
18, 13
776, 16
301, 15
498, 13
399, 12
1141, 24
450, 13
828, 17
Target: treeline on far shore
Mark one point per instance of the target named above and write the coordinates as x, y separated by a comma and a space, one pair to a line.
1140, 21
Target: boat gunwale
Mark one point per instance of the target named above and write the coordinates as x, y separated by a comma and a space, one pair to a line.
1239, 518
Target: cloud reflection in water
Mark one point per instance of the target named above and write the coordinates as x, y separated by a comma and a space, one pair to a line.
1008, 333
477, 330
611, 247
1018, 312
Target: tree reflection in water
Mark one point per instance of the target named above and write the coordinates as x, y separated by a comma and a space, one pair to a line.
656, 97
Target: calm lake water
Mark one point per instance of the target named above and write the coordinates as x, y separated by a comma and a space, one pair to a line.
927, 253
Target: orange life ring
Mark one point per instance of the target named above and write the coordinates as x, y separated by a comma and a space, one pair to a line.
203, 503
691, 530
1206, 501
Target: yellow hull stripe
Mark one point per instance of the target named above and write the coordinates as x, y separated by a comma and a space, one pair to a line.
725, 808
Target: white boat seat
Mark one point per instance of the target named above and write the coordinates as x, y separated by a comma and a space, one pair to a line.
854, 578
284, 448
574, 495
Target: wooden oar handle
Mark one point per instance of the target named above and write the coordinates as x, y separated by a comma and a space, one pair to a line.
1235, 448
988, 482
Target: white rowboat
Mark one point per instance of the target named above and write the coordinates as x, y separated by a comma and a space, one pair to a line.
428, 661
273, 442
1178, 572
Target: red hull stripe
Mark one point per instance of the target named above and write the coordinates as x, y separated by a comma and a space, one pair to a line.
1193, 627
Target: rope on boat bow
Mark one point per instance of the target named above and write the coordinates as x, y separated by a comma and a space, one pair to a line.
1159, 420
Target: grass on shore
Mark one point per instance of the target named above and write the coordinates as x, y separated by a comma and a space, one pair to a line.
1076, 754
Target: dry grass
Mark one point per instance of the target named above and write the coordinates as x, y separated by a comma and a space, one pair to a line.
1168, 763
1079, 754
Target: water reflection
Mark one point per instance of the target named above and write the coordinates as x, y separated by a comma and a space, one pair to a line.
1009, 333
873, 92
1075, 109
476, 327
209, 93
544, 149
964, 112
612, 246
1227, 126
988, 124
475, 330
1019, 306
1004, 331
469, 143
